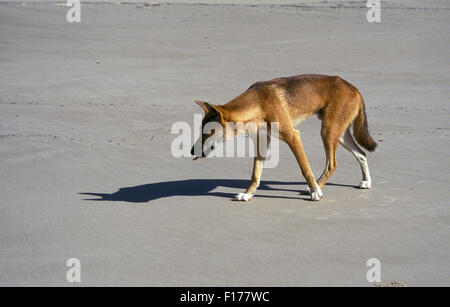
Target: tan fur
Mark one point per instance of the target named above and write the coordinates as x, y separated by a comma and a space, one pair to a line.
290, 100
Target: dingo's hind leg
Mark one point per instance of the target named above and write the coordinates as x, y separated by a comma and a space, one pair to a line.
348, 143
330, 137
292, 138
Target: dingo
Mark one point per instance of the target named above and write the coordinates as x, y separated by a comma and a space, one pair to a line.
288, 101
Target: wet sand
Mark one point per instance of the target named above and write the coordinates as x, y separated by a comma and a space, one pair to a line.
87, 108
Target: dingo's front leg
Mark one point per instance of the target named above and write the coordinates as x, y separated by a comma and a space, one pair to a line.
256, 178
292, 138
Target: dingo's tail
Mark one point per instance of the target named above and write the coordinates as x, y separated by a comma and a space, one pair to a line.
361, 130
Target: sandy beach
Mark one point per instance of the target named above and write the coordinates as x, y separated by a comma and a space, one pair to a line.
86, 171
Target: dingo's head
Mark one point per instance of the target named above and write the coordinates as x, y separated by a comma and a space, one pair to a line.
213, 130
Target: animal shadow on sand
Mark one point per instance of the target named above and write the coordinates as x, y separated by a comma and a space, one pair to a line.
196, 187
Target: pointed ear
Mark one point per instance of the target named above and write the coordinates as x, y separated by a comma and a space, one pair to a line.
209, 108
204, 105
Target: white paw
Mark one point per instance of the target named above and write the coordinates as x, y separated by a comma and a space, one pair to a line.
243, 197
308, 190
317, 194
365, 185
